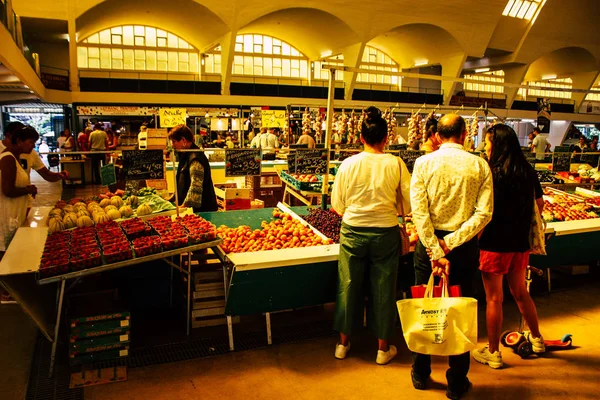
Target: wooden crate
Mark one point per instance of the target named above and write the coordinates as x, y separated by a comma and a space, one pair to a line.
230, 199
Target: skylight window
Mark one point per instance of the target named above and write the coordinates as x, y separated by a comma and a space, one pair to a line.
522, 9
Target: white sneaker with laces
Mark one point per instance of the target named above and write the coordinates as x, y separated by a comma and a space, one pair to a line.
484, 356
341, 351
384, 357
537, 344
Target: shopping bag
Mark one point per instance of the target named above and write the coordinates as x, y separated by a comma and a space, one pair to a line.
418, 291
537, 240
441, 326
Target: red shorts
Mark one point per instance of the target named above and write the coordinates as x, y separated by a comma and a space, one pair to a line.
502, 263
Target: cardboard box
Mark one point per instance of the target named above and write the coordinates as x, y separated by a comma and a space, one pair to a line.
233, 198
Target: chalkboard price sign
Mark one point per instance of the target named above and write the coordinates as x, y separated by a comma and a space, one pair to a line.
355, 146
312, 161
409, 157
587, 158
346, 154
244, 162
396, 147
561, 162
108, 175
143, 164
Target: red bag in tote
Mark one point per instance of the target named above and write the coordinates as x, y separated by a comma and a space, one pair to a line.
418, 292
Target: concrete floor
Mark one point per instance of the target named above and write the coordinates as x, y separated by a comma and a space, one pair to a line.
308, 370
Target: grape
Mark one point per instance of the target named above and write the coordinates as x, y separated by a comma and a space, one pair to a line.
325, 221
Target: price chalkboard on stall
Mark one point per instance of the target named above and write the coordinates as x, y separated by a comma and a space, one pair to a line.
396, 147
561, 162
311, 161
107, 175
355, 146
243, 162
409, 157
143, 164
587, 158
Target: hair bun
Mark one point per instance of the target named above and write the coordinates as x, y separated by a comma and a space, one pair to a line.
373, 114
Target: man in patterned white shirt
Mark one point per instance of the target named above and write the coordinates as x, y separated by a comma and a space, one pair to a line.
452, 201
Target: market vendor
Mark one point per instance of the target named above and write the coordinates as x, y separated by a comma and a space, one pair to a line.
194, 182
370, 190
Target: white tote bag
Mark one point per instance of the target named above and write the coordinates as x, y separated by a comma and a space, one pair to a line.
440, 326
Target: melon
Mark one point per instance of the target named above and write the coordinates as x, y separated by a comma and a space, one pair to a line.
117, 201
70, 220
132, 201
80, 204
55, 212
104, 203
144, 209
126, 211
113, 214
68, 208
111, 207
84, 221
100, 218
55, 224
82, 213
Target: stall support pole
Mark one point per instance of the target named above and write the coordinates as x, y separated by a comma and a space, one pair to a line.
328, 133
269, 336
175, 182
189, 291
57, 327
230, 332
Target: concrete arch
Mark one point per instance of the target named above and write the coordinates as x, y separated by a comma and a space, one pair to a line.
563, 62
312, 31
174, 16
414, 43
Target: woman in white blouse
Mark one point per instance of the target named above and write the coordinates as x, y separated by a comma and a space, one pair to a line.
369, 190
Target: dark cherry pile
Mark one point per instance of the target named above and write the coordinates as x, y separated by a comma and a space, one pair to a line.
325, 221
110, 242
547, 177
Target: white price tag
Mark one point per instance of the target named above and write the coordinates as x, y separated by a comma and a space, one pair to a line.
125, 323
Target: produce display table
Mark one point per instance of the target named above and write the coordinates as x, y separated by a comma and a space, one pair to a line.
21, 262
66, 161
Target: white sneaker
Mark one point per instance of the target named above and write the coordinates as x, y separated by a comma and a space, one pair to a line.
341, 351
484, 356
537, 344
384, 357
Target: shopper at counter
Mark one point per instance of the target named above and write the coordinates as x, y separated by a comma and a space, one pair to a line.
32, 159
504, 244
83, 140
540, 145
98, 142
255, 143
370, 190
112, 141
305, 138
15, 184
194, 182
452, 201
430, 143
65, 141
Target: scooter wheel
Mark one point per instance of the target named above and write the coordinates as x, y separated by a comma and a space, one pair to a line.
503, 338
567, 338
524, 350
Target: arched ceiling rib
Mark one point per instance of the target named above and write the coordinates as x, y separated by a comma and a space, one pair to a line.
564, 62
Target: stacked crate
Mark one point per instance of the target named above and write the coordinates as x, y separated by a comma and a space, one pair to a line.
208, 290
99, 338
268, 188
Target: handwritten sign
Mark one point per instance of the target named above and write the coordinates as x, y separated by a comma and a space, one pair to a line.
346, 154
409, 157
396, 147
107, 175
245, 162
170, 117
311, 161
356, 146
588, 158
143, 164
561, 162
273, 118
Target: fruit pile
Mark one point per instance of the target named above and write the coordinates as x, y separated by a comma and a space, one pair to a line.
111, 242
282, 233
305, 178
563, 207
325, 221
547, 177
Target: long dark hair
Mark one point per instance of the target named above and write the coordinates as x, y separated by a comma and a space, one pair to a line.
374, 127
507, 162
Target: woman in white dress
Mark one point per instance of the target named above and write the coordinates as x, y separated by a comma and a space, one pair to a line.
15, 185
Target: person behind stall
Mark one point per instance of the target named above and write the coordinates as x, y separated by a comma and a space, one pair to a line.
65, 141
98, 142
112, 141
268, 144
452, 201
430, 143
83, 140
582, 145
305, 138
15, 184
504, 243
370, 190
255, 143
219, 143
194, 182
229, 142
540, 145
